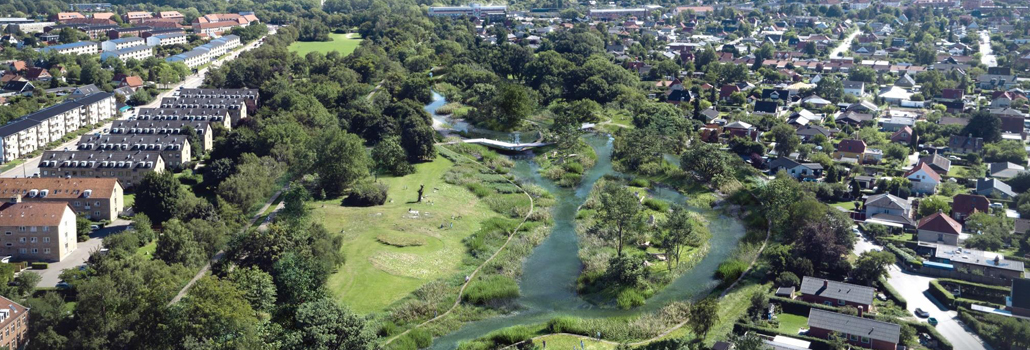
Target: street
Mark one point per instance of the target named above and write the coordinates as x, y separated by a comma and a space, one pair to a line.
986, 53
31, 166
913, 288
845, 45
79, 256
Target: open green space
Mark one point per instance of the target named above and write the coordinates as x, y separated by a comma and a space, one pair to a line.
563, 341
147, 250
344, 43
791, 323
376, 274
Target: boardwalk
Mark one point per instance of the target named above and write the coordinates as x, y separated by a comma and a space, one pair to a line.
506, 145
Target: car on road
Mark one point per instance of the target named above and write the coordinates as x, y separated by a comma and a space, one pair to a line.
94, 227
922, 313
63, 285
932, 321
856, 231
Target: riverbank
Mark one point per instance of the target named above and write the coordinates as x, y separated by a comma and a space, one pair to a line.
567, 171
650, 243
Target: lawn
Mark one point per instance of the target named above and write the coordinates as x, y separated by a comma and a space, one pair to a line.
344, 43
130, 199
147, 250
561, 341
791, 323
375, 274
846, 205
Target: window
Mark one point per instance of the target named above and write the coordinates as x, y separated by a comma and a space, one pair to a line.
865, 340
46, 228
854, 337
33, 240
21, 239
9, 244
840, 301
32, 229
97, 213
830, 303
97, 203
35, 250
47, 250
46, 239
22, 250
21, 228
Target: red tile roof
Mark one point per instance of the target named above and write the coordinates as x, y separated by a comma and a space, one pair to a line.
923, 166
851, 146
938, 222
968, 203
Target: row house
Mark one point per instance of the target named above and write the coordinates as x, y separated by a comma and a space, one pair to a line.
127, 32
174, 149
203, 54
249, 96
217, 116
77, 48
165, 127
167, 39
173, 15
96, 198
34, 131
237, 107
123, 43
855, 330
129, 167
138, 53
136, 16
37, 231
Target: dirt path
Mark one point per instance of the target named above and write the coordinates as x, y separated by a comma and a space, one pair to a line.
472, 276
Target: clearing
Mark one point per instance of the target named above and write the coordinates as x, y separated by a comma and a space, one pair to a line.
344, 43
375, 274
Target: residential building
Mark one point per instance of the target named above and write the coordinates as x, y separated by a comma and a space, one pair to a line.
123, 43
612, 14
64, 16
78, 48
1019, 300
165, 127
174, 149
939, 228
136, 16
137, 31
216, 116
807, 132
33, 131
924, 180
903, 136
493, 13
854, 149
964, 205
855, 119
938, 163
237, 106
203, 54
166, 39
193, 58
249, 96
887, 204
973, 262
996, 81
854, 88
171, 15
37, 231
128, 167
896, 123
96, 199
856, 330
1004, 170
833, 293
31, 28
14, 321
138, 53
994, 188
795, 169
966, 144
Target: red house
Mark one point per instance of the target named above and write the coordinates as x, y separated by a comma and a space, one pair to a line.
856, 330
965, 205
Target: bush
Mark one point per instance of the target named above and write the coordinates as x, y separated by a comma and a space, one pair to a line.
629, 298
366, 195
492, 288
656, 205
511, 335
893, 294
40, 265
479, 190
574, 167
788, 279
730, 270
562, 324
638, 182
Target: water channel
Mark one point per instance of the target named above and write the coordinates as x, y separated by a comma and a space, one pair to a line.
548, 282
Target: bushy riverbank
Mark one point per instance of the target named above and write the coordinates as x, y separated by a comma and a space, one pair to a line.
567, 171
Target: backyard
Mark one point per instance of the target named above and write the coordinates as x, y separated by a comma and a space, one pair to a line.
393, 249
344, 43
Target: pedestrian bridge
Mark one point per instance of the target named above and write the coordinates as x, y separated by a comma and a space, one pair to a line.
506, 145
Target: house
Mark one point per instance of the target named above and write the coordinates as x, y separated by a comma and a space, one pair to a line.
1002, 99
887, 204
15, 318
802, 118
853, 118
767, 107
964, 205
38, 74
994, 188
1004, 170
138, 53
854, 88
897, 123
129, 167
776, 94
939, 228
966, 144
132, 81
903, 136
857, 330
679, 96
996, 81
96, 199
895, 95
742, 129
977, 263
807, 132
174, 149
816, 101
821, 291
924, 179
854, 149
864, 107
938, 163
18, 87
33, 131
905, 81
795, 169
85, 90
1018, 302
136, 16
726, 90
37, 231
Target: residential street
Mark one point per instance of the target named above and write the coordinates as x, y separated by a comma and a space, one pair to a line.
78, 257
844, 45
986, 54
913, 288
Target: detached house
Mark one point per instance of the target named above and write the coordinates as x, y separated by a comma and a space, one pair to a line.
795, 169
924, 179
994, 188
833, 293
939, 228
856, 330
964, 205
966, 144
854, 149
854, 88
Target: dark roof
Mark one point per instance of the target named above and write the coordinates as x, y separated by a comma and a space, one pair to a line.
966, 142
19, 86
887, 200
765, 106
1021, 293
44, 114
812, 130
851, 146
775, 94
679, 95
995, 184
854, 325
967, 203
937, 162
848, 84
1021, 226
837, 290
783, 162
854, 117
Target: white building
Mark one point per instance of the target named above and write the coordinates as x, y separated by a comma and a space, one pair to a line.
166, 39
208, 52
139, 53
79, 48
34, 131
122, 43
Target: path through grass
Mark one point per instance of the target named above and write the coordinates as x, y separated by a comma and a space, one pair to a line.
344, 43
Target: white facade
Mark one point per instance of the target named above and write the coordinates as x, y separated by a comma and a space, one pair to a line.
79, 48
121, 44
139, 53
32, 132
166, 39
208, 52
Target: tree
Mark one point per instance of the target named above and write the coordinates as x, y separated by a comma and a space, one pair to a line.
705, 161
510, 105
872, 265
389, 158
786, 138
27, 281
158, 196
143, 228
342, 160
986, 125
213, 315
678, 231
934, 204
1005, 151
619, 208
83, 227
830, 88
256, 286
325, 325
748, 341
703, 315
176, 245
417, 137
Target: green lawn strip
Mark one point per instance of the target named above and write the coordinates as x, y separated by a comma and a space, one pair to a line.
130, 199
147, 250
567, 172
10, 165
339, 42
791, 323
847, 205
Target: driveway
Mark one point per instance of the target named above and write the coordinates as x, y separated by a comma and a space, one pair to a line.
79, 256
913, 288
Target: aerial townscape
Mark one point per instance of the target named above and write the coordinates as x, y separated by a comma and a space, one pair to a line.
405, 175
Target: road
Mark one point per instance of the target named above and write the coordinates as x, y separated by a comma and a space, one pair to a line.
31, 166
987, 56
79, 256
846, 44
913, 288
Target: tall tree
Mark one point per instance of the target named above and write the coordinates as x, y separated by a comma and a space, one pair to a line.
984, 124
703, 315
158, 196
679, 230
325, 325
619, 209
872, 265
342, 160
389, 158
787, 140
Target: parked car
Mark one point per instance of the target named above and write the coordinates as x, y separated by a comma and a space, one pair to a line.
932, 321
63, 285
922, 313
94, 227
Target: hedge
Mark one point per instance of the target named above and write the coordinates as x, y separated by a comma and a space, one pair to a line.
892, 294
901, 255
40, 265
799, 307
944, 296
987, 293
922, 327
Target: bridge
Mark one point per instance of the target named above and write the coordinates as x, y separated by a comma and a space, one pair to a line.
506, 145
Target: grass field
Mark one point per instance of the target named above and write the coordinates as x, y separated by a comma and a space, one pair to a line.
147, 250
376, 274
561, 341
791, 323
344, 43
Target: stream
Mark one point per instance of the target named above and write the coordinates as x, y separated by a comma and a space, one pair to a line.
548, 283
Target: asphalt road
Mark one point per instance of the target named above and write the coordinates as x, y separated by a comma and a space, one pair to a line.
31, 166
79, 256
914, 288
987, 56
845, 45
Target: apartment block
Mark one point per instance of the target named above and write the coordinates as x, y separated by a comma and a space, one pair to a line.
34, 131
79, 48
166, 39
174, 149
37, 231
165, 127
97, 199
123, 43
138, 53
14, 324
128, 167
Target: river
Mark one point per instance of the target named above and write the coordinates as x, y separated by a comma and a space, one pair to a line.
548, 284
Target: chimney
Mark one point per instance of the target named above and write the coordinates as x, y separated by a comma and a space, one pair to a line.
861, 311
826, 283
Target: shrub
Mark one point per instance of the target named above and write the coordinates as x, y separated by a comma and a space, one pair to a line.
492, 288
366, 195
562, 324
629, 298
638, 182
656, 205
40, 265
730, 270
511, 335
574, 167
788, 279
479, 189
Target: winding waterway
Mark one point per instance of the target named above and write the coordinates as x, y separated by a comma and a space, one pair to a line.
548, 282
